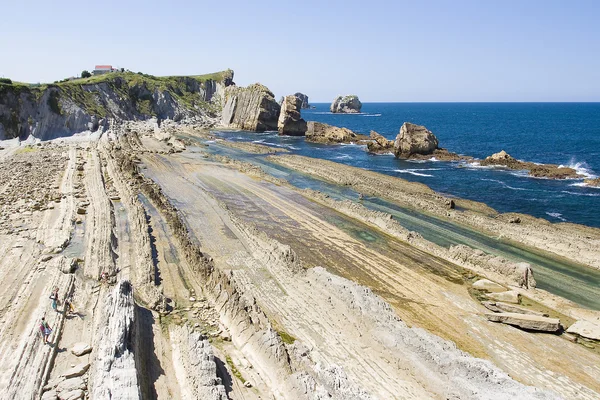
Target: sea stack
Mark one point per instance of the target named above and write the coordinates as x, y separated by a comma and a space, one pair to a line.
290, 122
349, 104
251, 108
414, 139
304, 99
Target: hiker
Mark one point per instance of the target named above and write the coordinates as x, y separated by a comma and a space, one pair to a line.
69, 304
45, 329
54, 298
104, 277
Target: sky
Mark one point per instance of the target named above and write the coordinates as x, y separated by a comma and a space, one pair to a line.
406, 51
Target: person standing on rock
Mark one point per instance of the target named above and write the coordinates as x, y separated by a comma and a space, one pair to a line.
54, 298
69, 304
45, 329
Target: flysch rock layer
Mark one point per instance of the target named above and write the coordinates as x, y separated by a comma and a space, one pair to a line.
290, 122
319, 132
530, 322
251, 108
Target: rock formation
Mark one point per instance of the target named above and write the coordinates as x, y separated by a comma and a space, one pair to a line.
322, 133
551, 171
290, 122
251, 108
414, 139
346, 104
380, 145
524, 321
592, 182
303, 99
61, 109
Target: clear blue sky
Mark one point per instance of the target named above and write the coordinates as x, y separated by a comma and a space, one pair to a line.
454, 50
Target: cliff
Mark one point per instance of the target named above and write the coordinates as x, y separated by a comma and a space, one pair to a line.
251, 108
62, 109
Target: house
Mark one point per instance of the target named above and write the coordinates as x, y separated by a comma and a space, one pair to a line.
103, 69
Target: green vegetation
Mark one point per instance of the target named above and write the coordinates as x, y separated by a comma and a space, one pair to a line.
53, 102
85, 74
234, 370
286, 337
6, 81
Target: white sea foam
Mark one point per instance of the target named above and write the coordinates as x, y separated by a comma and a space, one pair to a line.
581, 194
414, 171
505, 184
371, 115
581, 167
556, 215
343, 156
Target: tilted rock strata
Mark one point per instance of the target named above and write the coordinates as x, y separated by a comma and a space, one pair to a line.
414, 139
524, 321
290, 121
592, 182
536, 170
379, 145
318, 132
66, 108
251, 108
346, 104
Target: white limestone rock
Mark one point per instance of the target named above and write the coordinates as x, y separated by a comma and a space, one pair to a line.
486, 284
529, 322
586, 329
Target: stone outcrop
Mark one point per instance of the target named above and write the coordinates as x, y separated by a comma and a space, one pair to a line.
487, 285
62, 109
379, 145
524, 321
349, 104
510, 296
322, 133
497, 306
251, 108
414, 139
303, 100
551, 171
593, 182
585, 329
290, 121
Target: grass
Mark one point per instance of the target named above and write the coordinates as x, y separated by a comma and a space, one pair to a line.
234, 369
286, 337
26, 149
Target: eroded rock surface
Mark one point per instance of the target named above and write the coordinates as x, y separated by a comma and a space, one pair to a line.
251, 108
414, 139
536, 170
319, 132
290, 121
303, 100
348, 104
530, 322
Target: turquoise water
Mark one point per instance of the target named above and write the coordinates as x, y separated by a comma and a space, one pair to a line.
558, 133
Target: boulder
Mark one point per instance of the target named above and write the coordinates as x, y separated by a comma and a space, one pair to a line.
510, 308
72, 395
81, 348
49, 395
586, 329
69, 385
252, 108
524, 321
346, 104
303, 100
509, 296
77, 370
322, 133
380, 144
486, 284
414, 139
290, 122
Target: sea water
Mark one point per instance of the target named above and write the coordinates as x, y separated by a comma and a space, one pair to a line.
559, 133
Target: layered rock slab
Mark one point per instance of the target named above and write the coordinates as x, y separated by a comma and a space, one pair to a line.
319, 132
290, 121
251, 108
524, 321
551, 171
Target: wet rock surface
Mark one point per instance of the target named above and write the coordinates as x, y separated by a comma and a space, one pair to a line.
550, 171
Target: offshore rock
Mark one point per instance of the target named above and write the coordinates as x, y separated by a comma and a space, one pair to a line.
252, 108
592, 182
303, 100
346, 104
379, 145
414, 139
524, 321
551, 171
322, 133
290, 122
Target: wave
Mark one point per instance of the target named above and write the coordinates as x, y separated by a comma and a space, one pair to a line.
581, 167
371, 115
343, 157
414, 172
556, 215
581, 194
505, 184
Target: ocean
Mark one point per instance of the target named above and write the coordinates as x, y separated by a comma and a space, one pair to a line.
559, 133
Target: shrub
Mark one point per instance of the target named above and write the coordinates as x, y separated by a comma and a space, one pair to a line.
85, 74
53, 102
6, 80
